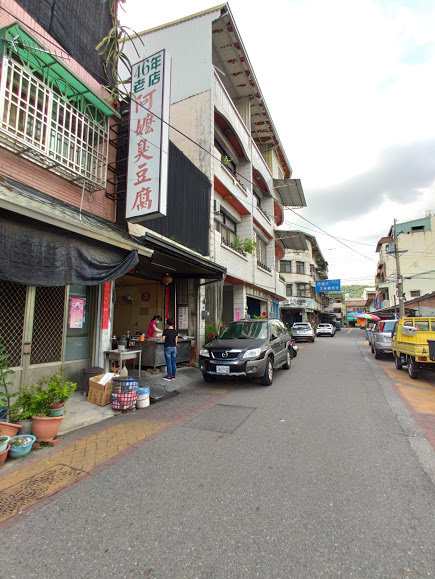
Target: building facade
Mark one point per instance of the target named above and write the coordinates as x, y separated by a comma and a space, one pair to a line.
301, 267
409, 244
220, 121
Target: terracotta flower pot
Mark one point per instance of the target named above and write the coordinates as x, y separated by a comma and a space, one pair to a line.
45, 428
9, 429
4, 454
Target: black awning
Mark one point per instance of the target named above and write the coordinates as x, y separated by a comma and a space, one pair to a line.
38, 254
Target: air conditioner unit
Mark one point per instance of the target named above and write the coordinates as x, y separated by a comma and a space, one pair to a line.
217, 206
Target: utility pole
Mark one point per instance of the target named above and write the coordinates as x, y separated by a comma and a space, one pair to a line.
399, 282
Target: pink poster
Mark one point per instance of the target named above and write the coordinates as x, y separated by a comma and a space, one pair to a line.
76, 312
237, 314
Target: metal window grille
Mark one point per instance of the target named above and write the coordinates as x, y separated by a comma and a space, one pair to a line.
48, 325
41, 125
12, 308
261, 249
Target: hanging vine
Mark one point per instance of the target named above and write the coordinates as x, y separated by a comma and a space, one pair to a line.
112, 46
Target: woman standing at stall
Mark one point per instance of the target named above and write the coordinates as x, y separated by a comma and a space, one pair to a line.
153, 330
170, 339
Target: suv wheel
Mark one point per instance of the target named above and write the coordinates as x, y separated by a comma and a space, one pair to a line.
208, 377
312, 339
267, 377
288, 361
377, 354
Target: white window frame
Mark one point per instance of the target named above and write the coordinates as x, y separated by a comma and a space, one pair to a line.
43, 126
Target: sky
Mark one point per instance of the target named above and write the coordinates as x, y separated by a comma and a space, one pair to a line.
355, 110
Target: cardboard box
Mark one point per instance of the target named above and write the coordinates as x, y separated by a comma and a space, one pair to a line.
100, 389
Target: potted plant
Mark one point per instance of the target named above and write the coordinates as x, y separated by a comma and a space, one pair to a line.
50, 389
4, 441
4, 454
23, 408
6, 395
21, 445
60, 389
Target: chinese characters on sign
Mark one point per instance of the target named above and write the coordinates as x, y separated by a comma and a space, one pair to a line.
107, 294
149, 139
76, 312
183, 318
328, 285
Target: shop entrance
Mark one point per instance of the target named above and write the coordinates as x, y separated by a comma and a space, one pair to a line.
42, 328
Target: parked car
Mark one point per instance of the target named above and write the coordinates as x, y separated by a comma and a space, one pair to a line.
325, 330
337, 325
302, 331
252, 348
380, 337
413, 344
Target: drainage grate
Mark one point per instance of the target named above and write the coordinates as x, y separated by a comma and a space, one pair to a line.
221, 418
27, 492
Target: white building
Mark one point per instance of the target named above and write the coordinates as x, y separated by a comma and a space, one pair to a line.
301, 267
415, 249
220, 121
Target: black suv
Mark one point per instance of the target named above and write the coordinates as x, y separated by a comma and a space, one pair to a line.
252, 348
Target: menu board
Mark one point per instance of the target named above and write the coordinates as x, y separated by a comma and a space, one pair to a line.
183, 318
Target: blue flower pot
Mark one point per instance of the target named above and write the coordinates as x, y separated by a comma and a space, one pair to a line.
23, 449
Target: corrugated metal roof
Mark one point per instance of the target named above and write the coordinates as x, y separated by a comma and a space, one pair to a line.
291, 192
294, 240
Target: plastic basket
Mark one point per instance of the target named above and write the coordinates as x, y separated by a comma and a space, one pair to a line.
124, 392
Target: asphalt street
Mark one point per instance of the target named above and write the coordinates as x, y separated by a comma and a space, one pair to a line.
323, 474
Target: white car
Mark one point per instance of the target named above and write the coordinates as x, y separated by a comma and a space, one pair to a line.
302, 331
325, 330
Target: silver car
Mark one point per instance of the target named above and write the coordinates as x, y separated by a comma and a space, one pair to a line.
380, 337
302, 331
325, 330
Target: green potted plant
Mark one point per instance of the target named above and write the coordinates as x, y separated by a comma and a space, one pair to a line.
54, 389
60, 389
4, 441
24, 408
6, 395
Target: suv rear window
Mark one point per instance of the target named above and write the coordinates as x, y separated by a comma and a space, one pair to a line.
386, 326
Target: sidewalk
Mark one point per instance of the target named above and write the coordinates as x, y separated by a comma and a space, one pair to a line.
94, 438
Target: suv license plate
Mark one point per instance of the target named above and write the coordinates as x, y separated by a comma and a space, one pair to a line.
223, 369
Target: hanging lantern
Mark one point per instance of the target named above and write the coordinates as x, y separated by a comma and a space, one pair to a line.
166, 279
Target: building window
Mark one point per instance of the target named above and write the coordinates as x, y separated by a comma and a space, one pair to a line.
415, 293
261, 248
227, 227
300, 267
225, 157
312, 269
286, 266
65, 134
301, 290
289, 290
257, 199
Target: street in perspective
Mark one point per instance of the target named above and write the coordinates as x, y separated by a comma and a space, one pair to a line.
217, 289
327, 472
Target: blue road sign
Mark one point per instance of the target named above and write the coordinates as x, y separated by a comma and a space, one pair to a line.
328, 285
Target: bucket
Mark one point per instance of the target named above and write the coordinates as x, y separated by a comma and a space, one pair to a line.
143, 397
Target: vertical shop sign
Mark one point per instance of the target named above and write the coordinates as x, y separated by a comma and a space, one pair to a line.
149, 138
183, 318
107, 295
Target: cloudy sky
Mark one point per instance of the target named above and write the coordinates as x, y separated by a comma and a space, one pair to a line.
354, 110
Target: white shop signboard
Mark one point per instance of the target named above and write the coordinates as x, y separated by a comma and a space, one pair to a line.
183, 318
147, 172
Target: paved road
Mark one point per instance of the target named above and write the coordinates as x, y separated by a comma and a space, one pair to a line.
327, 473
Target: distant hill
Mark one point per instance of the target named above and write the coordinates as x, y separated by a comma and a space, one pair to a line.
354, 291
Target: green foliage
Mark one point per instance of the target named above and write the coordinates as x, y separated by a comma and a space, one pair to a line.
246, 244
355, 291
6, 385
59, 387
25, 405
211, 332
112, 46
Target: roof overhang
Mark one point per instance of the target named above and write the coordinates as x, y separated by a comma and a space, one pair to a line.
293, 240
291, 192
29, 202
17, 40
173, 258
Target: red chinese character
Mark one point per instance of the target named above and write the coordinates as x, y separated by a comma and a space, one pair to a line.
144, 125
143, 200
145, 100
142, 148
142, 174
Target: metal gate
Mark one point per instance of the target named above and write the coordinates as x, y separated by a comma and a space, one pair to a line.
31, 328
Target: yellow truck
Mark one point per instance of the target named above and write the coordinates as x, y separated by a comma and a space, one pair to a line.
413, 345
